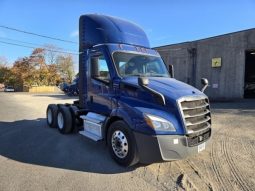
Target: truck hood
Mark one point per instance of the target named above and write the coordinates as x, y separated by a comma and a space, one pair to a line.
171, 88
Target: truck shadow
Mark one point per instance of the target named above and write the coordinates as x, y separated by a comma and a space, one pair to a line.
32, 142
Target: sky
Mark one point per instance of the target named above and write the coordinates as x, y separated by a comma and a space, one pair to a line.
164, 21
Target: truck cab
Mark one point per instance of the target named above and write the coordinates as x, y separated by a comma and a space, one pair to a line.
129, 99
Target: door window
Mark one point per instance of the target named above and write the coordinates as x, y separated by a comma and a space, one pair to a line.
99, 68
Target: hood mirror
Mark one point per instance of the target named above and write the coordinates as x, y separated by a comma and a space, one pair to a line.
143, 81
171, 70
205, 83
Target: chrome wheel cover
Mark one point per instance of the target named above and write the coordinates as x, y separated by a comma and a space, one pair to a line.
49, 116
60, 120
119, 144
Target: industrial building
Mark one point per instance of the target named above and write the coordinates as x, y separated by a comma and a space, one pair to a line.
227, 61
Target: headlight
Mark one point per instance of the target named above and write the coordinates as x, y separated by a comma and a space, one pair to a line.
158, 123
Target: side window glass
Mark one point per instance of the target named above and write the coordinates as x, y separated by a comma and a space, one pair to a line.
122, 66
99, 68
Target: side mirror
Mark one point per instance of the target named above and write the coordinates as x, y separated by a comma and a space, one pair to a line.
171, 70
143, 81
205, 83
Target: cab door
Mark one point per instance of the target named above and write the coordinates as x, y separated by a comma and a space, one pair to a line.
99, 83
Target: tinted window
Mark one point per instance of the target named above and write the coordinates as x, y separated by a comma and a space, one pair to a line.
129, 64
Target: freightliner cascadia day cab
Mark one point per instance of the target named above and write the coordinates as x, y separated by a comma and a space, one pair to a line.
129, 99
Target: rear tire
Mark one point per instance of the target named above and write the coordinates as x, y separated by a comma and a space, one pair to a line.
64, 120
121, 144
51, 115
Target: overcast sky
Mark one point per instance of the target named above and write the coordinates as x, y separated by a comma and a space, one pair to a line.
164, 21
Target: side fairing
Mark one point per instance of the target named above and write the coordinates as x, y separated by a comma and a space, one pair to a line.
83, 75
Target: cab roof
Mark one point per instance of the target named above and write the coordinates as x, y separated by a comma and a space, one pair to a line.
97, 29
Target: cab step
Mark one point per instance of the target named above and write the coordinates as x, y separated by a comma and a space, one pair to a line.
92, 124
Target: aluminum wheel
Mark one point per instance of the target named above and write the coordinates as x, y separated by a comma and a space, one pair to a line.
60, 120
119, 144
49, 116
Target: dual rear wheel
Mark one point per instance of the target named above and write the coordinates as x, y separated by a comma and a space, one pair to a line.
59, 117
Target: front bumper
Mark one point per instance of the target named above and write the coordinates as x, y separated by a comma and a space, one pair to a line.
157, 148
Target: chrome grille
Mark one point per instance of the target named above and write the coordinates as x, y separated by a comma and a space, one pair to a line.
196, 113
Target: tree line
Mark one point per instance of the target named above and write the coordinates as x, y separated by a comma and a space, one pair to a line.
42, 67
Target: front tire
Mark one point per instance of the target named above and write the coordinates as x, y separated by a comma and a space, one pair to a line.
121, 144
64, 120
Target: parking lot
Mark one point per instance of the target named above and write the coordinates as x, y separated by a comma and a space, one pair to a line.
35, 157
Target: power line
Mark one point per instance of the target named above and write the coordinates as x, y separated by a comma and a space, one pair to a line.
20, 41
35, 44
35, 34
52, 50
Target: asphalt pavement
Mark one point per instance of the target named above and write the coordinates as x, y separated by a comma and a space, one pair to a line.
36, 157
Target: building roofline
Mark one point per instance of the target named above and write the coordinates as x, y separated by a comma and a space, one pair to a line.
187, 42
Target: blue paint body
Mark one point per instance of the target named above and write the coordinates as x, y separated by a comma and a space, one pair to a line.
123, 97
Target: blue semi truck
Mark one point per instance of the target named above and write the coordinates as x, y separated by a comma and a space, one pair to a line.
130, 99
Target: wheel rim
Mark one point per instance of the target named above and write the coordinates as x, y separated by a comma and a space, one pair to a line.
119, 144
60, 120
49, 116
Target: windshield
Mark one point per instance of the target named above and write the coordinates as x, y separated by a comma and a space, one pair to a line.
129, 64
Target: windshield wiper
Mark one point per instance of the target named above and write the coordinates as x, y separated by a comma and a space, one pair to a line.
157, 75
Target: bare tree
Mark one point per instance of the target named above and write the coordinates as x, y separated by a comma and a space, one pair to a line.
3, 61
65, 66
51, 54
